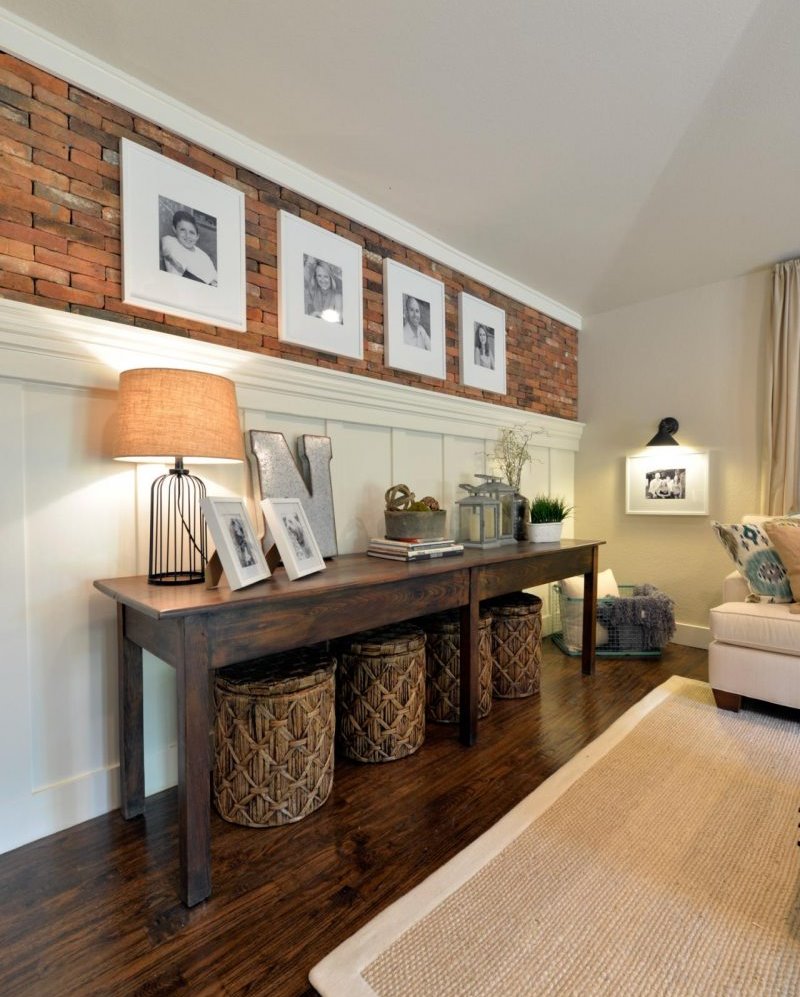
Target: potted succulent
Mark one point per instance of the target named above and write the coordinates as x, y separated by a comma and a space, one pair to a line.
547, 518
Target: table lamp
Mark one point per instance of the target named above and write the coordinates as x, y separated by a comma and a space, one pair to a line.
178, 415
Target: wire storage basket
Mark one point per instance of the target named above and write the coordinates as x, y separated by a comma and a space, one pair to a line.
635, 624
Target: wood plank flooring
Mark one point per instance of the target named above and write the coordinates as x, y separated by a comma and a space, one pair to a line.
94, 910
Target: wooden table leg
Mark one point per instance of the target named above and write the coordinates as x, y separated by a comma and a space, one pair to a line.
194, 802
469, 667
131, 722
589, 617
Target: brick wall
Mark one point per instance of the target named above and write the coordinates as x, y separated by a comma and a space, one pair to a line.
60, 245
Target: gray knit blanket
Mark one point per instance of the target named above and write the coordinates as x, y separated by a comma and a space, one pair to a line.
648, 608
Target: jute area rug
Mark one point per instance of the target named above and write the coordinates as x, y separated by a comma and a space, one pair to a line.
662, 859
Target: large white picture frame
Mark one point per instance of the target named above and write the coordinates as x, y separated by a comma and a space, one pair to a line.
289, 527
239, 551
483, 344
666, 483
320, 288
183, 249
413, 321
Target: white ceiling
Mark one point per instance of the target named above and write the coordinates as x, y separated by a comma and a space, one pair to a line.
599, 151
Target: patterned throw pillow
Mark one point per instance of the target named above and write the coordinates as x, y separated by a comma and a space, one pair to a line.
785, 536
755, 556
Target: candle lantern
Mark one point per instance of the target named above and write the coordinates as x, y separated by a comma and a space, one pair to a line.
479, 517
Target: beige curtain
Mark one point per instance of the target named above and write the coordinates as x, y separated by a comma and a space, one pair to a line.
783, 393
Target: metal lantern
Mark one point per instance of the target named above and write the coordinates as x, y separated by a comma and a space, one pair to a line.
480, 516
505, 493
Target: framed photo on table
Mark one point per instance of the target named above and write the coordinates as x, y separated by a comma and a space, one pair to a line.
289, 527
483, 344
413, 320
667, 483
237, 546
182, 240
320, 288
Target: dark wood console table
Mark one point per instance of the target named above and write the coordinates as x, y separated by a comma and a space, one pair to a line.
198, 630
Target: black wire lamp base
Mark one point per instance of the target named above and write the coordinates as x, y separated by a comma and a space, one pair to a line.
178, 535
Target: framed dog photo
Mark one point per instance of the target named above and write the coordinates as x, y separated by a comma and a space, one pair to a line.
320, 288
413, 320
183, 246
237, 546
483, 344
289, 527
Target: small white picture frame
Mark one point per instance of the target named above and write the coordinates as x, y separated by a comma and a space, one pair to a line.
483, 344
234, 537
320, 288
413, 321
183, 249
667, 483
289, 527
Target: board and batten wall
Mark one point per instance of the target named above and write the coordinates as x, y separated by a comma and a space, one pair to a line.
69, 514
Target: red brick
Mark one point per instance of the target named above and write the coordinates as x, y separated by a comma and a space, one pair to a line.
93, 165
215, 162
66, 168
65, 137
93, 255
99, 286
28, 172
62, 293
73, 264
33, 269
95, 224
31, 73
15, 82
70, 232
13, 114
13, 247
14, 147
159, 135
31, 106
92, 193
16, 281
38, 205
99, 109
123, 309
63, 104
10, 212
14, 179
24, 233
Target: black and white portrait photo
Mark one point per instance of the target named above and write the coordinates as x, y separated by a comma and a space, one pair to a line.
322, 285
297, 535
484, 346
240, 542
187, 242
416, 322
669, 483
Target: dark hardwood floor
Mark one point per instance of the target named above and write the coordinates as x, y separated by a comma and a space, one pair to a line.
94, 910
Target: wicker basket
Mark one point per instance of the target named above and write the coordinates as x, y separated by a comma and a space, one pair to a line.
516, 645
380, 702
443, 654
274, 732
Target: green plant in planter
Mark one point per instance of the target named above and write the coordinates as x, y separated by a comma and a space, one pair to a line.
549, 509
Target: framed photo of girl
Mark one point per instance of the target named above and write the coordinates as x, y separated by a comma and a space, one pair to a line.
413, 320
320, 288
289, 527
237, 547
183, 246
483, 344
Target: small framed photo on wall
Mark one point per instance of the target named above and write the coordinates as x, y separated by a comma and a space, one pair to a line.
320, 288
182, 240
413, 320
483, 344
667, 483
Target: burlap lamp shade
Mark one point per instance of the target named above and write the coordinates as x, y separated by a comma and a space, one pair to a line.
176, 415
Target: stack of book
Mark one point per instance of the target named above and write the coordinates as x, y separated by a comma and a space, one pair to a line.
413, 550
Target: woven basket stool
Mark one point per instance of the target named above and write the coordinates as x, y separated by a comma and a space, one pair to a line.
380, 696
274, 731
443, 654
516, 645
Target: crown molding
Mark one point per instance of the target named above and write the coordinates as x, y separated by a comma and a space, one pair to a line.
72, 350
54, 55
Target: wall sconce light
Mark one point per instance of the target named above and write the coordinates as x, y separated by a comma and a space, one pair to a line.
665, 435
167, 415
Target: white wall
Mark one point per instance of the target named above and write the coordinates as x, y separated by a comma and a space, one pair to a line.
698, 356
69, 514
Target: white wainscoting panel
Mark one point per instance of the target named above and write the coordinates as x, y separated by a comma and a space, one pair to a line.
69, 514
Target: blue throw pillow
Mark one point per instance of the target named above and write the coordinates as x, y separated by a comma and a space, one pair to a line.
755, 556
